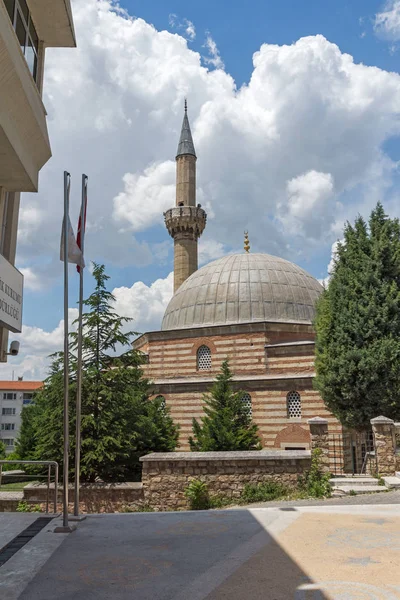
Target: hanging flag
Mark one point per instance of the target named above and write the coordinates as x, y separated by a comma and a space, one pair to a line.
81, 230
74, 252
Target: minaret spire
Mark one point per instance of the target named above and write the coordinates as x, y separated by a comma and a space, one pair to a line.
185, 222
185, 145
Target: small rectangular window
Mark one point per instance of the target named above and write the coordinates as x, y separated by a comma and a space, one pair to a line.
8, 411
27, 396
8, 426
8, 442
21, 32
31, 58
10, 9
34, 36
9, 396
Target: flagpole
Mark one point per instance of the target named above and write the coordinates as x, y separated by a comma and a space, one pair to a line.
79, 372
67, 183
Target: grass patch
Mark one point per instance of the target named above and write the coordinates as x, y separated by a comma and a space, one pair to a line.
18, 486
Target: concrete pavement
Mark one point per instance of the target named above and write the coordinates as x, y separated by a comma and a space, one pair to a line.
305, 553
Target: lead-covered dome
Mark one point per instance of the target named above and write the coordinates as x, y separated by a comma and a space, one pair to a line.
243, 288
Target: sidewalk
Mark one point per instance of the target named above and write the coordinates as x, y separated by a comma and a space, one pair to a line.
304, 553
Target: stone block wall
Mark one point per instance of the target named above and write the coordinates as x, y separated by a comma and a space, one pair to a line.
165, 476
94, 498
385, 445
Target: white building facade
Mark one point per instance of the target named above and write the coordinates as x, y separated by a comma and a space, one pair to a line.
14, 395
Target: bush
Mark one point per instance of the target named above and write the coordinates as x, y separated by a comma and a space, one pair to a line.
262, 492
315, 483
198, 496
23, 506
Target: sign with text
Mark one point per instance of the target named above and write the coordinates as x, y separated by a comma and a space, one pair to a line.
11, 291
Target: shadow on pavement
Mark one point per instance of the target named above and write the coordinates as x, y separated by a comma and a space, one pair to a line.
173, 556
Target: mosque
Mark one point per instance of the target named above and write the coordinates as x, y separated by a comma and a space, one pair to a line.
254, 309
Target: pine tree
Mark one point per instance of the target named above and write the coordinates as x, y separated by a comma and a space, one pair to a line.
358, 324
227, 423
2, 451
119, 422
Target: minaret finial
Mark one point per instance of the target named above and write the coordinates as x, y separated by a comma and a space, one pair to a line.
185, 105
246, 242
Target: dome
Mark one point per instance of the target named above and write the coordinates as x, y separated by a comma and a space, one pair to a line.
243, 288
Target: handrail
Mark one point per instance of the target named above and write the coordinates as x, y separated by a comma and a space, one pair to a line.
50, 464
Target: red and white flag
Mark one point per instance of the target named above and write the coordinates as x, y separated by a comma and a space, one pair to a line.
75, 255
82, 229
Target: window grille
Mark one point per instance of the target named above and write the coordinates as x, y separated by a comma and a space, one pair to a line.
246, 399
293, 405
163, 404
204, 358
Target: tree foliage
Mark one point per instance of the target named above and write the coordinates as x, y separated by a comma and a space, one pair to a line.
227, 423
358, 324
119, 421
2, 450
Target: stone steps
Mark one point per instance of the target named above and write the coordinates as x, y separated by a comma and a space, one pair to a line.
392, 483
348, 490
354, 480
346, 486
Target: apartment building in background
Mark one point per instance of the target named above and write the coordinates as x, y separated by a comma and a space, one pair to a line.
14, 395
27, 28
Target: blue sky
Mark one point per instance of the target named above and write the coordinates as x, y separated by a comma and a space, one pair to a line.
306, 139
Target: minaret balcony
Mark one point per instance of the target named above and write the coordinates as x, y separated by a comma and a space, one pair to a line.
185, 219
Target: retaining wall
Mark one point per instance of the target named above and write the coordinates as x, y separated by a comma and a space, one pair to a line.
165, 476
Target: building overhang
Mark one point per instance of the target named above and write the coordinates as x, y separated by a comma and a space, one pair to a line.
247, 382
267, 327
24, 140
53, 22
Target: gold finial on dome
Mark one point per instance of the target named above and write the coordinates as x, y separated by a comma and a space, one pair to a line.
246, 242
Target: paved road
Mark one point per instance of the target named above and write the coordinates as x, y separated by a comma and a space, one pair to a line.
308, 553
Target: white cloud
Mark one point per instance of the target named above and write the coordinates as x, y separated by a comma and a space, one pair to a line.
182, 25
387, 22
115, 109
309, 205
190, 30
144, 304
146, 197
31, 280
214, 57
331, 265
37, 344
210, 250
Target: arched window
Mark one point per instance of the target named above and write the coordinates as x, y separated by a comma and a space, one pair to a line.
293, 405
204, 358
246, 399
163, 404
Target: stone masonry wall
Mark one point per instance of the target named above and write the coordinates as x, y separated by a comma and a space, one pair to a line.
165, 476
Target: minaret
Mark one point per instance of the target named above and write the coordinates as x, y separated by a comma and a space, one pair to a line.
185, 222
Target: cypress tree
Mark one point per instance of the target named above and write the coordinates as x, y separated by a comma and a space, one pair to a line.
227, 423
358, 324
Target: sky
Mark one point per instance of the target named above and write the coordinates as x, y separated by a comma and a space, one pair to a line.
294, 108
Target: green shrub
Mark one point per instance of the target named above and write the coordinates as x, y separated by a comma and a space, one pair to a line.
262, 492
315, 482
24, 506
198, 496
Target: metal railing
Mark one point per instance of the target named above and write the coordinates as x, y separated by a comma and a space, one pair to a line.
50, 464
